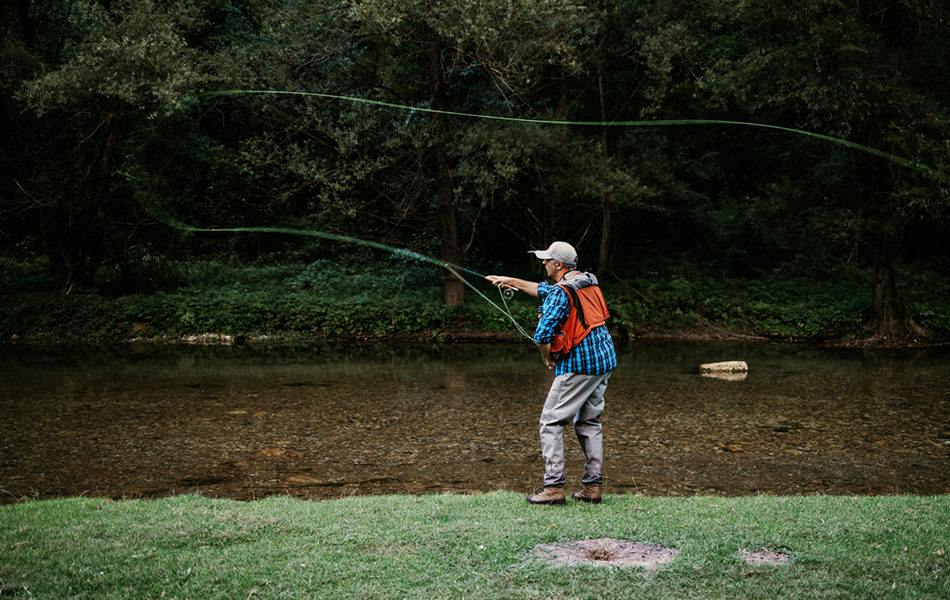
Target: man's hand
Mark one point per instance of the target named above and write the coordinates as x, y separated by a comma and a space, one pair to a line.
549, 359
502, 282
513, 283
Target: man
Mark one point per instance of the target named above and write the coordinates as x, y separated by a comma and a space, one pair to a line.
575, 343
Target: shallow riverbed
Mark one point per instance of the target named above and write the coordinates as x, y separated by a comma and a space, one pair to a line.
248, 422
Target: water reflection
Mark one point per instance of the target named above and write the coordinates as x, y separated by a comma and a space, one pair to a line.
247, 422
740, 376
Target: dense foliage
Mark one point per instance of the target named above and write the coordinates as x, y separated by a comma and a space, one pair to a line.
122, 118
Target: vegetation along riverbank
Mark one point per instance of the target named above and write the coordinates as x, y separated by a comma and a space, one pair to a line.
361, 299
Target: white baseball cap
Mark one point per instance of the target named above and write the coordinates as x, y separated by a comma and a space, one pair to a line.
559, 251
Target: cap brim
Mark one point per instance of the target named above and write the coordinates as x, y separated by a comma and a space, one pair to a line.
542, 254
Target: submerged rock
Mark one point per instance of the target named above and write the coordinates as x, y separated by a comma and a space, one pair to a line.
732, 366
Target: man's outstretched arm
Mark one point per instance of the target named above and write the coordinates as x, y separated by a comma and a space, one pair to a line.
513, 283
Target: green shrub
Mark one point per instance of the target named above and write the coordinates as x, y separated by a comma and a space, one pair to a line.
329, 299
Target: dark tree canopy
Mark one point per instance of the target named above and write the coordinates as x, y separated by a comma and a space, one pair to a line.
108, 125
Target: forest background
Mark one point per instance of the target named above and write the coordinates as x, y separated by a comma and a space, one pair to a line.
123, 118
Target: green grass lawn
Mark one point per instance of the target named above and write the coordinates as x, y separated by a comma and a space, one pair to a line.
470, 546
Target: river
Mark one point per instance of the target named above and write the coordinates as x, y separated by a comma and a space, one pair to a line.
317, 422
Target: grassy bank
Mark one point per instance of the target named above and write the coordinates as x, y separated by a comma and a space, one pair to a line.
478, 546
325, 300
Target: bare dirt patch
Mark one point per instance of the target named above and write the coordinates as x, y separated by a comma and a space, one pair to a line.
604, 552
764, 557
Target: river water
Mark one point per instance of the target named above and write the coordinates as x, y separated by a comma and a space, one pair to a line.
322, 422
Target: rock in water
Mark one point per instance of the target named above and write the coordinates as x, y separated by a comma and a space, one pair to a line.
732, 366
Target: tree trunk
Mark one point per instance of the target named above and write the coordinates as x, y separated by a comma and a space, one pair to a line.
444, 188
74, 257
555, 199
603, 258
26, 24
73, 236
888, 319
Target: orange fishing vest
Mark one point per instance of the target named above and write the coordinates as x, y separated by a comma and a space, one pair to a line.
588, 310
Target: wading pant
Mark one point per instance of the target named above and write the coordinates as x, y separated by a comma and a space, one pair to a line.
578, 398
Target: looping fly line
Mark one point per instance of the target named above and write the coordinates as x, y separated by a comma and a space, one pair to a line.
455, 269
914, 165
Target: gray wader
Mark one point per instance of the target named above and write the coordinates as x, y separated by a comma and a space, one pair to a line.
578, 398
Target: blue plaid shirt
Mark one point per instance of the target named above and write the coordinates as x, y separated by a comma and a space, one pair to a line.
595, 354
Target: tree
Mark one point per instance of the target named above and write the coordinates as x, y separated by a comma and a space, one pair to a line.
503, 42
91, 102
566, 181
867, 72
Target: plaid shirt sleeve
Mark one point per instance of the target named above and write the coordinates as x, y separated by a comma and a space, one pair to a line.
595, 354
554, 308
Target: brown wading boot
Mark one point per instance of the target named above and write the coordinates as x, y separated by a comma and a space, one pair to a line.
550, 495
590, 493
